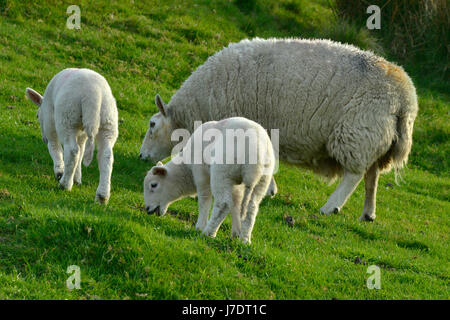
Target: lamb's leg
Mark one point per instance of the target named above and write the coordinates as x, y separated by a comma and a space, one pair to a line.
105, 159
252, 208
342, 193
81, 144
56, 152
238, 194
371, 183
219, 213
222, 190
272, 190
71, 155
204, 206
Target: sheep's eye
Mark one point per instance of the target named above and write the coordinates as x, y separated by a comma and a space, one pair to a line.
152, 124
153, 185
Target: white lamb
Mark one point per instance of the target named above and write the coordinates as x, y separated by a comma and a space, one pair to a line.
340, 110
78, 108
237, 186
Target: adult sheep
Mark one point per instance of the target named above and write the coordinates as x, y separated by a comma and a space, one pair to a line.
340, 110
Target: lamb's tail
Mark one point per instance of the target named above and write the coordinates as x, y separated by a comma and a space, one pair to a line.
91, 107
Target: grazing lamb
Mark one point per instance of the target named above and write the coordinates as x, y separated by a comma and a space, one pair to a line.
340, 110
77, 108
237, 186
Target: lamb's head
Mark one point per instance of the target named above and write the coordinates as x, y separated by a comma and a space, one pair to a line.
157, 144
159, 191
38, 100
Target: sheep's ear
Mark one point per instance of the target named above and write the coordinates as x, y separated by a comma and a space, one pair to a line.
34, 96
159, 171
159, 164
160, 104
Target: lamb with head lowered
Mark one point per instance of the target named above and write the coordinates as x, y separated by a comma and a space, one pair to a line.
216, 162
77, 109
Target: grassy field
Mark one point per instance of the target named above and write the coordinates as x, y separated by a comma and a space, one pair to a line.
145, 47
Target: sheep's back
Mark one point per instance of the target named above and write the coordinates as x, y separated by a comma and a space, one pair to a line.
301, 87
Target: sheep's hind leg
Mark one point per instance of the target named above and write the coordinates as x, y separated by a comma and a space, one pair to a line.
371, 184
71, 155
257, 195
238, 194
342, 193
105, 159
81, 144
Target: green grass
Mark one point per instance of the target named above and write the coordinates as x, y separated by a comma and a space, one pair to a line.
152, 46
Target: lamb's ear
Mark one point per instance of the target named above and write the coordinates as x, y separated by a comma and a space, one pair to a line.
159, 164
159, 171
34, 96
160, 104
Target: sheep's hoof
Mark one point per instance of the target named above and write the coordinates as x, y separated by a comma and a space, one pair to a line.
367, 218
329, 211
101, 199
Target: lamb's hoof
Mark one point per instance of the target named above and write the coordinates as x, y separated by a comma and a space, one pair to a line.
59, 175
77, 182
208, 233
199, 227
327, 211
101, 199
64, 186
367, 218
235, 233
246, 240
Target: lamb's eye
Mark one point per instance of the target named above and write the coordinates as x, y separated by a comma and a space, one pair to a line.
153, 185
152, 124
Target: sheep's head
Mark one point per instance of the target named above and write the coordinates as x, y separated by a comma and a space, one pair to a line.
157, 144
158, 190
37, 99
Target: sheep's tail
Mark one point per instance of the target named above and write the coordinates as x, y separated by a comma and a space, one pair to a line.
91, 106
397, 156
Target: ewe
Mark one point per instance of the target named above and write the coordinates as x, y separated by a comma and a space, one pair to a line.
236, 177
78, 108
340, 110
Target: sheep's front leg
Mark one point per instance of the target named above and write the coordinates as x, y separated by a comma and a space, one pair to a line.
56, 152
204, 205
81, 144
219, 213
342, 193
105, 159
71, 155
